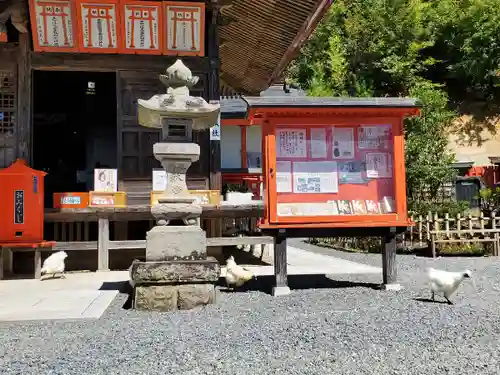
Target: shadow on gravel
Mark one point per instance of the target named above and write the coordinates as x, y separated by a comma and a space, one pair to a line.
265, 284
428, 300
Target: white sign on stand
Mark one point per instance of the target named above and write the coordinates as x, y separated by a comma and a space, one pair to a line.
159, 179
215, 130
105, 180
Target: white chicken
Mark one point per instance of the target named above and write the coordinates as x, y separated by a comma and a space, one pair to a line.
446, 282
54, 264
235, 274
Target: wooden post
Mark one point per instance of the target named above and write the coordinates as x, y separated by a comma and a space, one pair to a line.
8, 261
280, 265
214, 93
24, 98
103, 245
2, 249
389, 269
38, 263
495, 244
420, 230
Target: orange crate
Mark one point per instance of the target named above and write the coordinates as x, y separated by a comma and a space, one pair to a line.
108, 199
204, 196
70, 200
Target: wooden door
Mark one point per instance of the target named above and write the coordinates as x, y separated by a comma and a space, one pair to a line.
135, 142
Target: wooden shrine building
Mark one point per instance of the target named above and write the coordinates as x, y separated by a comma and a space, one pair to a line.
71, 73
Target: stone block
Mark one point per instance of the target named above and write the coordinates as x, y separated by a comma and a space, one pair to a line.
175, 242
179, 271
194, 295
155, 297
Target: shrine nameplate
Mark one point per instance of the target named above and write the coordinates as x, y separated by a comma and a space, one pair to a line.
142, 27
98, 22
185, 24
54, 22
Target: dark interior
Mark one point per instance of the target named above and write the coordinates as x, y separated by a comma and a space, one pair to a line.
74, 128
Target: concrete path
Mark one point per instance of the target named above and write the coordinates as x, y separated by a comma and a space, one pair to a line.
303, 262
79, 296
88, 295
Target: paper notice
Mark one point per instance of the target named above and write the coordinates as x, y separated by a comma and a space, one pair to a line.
351, 172
159, 179
283, 176
342, 143
105, 180
374, 137
318, 143
378, 165
315, 177
291, 143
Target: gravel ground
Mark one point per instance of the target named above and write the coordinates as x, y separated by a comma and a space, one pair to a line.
346, 328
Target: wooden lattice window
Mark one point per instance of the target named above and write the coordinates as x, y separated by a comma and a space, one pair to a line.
7, 118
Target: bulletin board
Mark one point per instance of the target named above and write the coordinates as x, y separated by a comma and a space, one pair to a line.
335, 173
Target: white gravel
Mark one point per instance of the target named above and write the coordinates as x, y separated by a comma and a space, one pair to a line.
352, 329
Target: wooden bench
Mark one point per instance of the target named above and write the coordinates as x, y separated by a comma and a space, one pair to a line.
487, 235
37, 247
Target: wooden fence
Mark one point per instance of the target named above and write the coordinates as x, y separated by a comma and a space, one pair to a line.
468, 228
459, 226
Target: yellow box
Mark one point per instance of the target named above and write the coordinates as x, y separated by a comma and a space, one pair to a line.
108, 199
204, 196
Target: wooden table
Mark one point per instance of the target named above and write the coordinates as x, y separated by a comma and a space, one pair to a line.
143, 212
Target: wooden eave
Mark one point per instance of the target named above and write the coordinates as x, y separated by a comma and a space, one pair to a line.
263, 38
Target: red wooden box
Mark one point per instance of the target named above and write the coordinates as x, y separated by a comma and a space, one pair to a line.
21, 205
71, 200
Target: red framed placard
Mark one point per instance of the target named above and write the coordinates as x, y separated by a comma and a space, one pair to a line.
54, 25
185, 28
334, 167
141, 27
98, 25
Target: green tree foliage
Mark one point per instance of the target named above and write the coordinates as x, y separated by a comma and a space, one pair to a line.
442, 52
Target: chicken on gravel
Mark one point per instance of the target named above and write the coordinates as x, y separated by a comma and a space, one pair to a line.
446, 282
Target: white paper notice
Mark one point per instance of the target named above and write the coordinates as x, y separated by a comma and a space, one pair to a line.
283, 176
374, 137
159, 179
315, 177
105, 180
378, 165
291, 143
318, 143
342, 143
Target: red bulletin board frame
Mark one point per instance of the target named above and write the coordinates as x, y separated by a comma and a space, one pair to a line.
74, 26
118, 27
300, 118
123, 27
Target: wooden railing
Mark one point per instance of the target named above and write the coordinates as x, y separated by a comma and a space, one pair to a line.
421, 233
427, 228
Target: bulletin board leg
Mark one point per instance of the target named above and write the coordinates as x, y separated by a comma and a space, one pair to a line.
280, 265
389, 267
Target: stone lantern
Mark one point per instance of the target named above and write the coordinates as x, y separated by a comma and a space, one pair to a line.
177, 273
